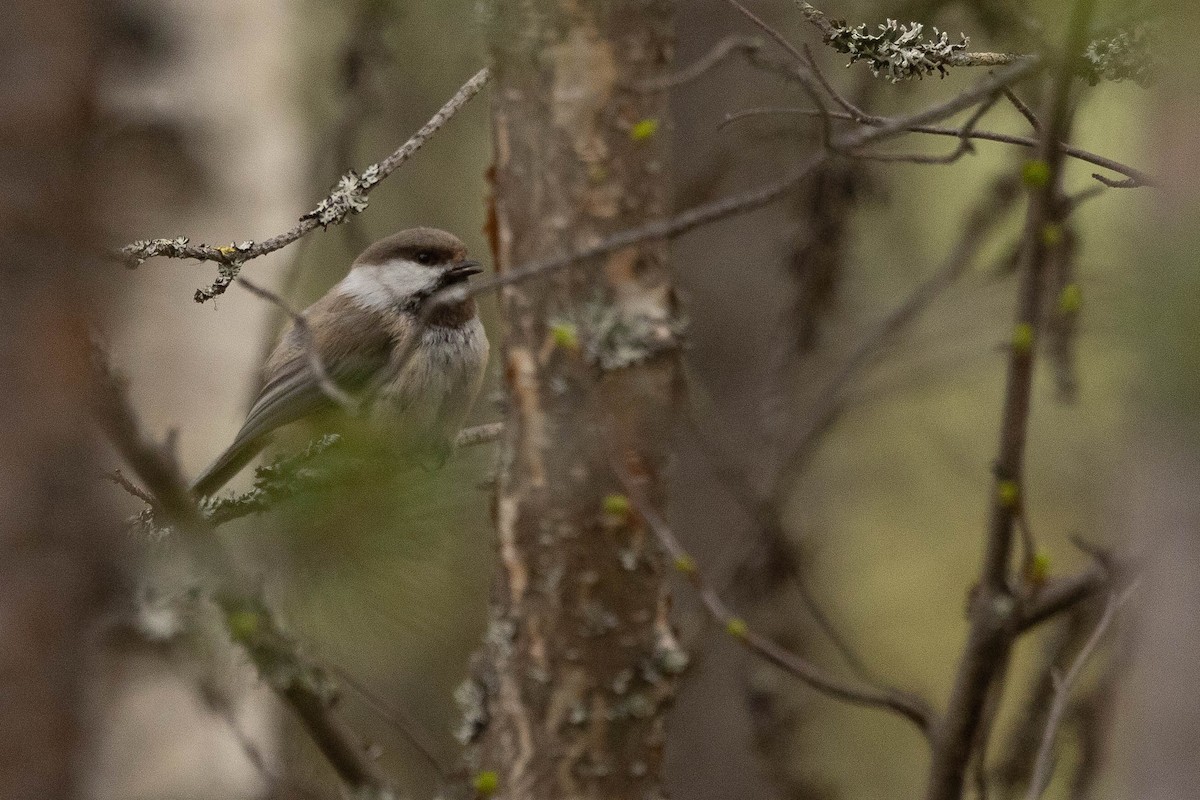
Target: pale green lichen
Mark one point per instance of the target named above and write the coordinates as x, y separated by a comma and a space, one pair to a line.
898, 52
1127, 55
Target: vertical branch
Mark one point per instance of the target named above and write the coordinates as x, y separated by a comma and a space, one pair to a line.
994, 608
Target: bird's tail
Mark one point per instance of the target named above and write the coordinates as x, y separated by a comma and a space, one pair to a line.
227, 465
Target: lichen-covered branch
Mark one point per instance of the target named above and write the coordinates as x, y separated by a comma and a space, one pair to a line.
349, 197
901, 51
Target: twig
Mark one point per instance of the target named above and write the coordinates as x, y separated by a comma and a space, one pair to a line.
118, 477
220, 707
1043, 764
315, 365
770, 31
1024, 110
982, 220
408, 727
1135, 177
804, 76
994, 614
964, 141
722, 50
1061, 594
906, 705
349, 197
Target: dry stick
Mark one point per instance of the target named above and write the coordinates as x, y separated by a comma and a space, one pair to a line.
1024, 110
808, 67
1136, 177
398, 718
236, 592
908, 706
803, 75
134, 254
1043, 764
722, 50
315, 365
994, 612
1059, 594
964, 142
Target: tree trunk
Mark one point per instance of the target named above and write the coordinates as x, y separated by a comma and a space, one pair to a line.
54, 540
577, 668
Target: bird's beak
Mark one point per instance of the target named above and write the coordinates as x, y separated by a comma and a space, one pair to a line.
463, 270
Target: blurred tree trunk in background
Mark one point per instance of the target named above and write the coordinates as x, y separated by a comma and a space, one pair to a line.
55, 540
1160, 488
572, 668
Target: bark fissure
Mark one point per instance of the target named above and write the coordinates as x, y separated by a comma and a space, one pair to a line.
575, 698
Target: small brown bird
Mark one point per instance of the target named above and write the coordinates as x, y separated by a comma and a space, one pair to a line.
361, 329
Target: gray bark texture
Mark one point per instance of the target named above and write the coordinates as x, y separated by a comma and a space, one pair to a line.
576, 669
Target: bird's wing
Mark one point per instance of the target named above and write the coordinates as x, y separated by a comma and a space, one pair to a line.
351, 347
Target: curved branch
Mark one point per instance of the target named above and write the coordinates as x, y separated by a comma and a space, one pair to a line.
348, 198
907, 705
1135, 177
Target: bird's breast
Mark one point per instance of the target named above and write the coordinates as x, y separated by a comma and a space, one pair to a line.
432, 393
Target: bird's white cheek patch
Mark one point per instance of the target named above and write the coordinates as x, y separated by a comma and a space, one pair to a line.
387, 285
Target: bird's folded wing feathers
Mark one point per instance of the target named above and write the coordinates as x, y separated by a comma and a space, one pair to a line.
293, 392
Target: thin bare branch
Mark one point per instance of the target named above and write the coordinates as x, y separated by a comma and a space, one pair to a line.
964, 142
804, 74
729, 46
1044, 763
1134, 177
1062, 594
980, 222
315, 365
397, 718
739, 203
906, 705
994, 613
119, 478
1024, 110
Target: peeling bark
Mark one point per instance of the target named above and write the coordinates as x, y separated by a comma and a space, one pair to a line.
576, 669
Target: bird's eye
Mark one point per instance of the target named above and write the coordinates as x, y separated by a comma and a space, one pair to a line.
424, 257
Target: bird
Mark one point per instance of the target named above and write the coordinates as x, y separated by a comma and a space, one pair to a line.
415, 396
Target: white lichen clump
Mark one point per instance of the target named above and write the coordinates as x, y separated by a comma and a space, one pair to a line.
898, 52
